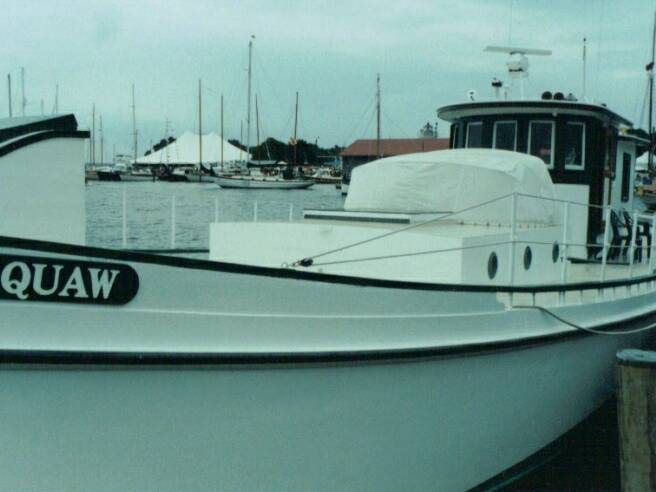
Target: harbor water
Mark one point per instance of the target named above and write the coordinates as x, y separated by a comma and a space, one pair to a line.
152, 207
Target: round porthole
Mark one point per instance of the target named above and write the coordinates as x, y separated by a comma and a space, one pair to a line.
555, 252
492, 265
528, 257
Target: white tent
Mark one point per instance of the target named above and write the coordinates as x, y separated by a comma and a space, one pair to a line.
454, 180
185, 150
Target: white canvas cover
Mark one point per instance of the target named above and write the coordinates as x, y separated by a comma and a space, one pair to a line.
453, 180
185, 150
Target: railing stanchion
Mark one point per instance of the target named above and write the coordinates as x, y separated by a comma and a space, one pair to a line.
632, 248
255, 211
291, 212
173, 222
563, 270
125, 220
513, 237
604, 253
216, 209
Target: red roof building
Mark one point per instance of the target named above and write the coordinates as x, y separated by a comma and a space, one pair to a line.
363, 151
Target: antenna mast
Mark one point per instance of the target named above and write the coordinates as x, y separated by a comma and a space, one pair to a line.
9, 93
134, 127
584, 71
378, 154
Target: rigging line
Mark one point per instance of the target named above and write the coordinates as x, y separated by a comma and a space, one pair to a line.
583, 328
358, 121
404, 255
402, 229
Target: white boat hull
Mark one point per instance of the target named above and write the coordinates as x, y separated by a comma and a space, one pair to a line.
263, 183
252, 381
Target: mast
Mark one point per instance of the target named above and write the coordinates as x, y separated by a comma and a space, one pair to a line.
102, 142
584, 71
93, 134
56, 98
295, 128
200, 130
24, 99
134, 127
241, 139
221, 132
248, 111
378, 153
41, 107
166, 149
9, 93
257, 124
650, 72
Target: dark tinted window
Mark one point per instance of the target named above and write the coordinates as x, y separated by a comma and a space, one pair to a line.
574, 145
541, 140
474, 134
504, 135
626, 176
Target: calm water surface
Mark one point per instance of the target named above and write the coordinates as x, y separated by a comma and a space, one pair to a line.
149, 204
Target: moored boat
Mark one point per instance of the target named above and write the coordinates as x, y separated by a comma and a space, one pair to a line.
473, 294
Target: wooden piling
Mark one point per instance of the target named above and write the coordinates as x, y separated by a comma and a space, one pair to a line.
636, 400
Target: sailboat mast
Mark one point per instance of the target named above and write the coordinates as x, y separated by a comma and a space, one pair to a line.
93, 133
200, 129
248, 110
9, 93
378, 153
295, 128
134, 126
102, 142
650, 69
222, 132
257, 124
56, 98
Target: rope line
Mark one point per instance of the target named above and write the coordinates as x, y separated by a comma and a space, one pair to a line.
583, 328
309, 260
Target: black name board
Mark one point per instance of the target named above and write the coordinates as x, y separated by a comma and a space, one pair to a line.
35, 278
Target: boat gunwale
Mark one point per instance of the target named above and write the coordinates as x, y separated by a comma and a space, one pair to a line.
293, 274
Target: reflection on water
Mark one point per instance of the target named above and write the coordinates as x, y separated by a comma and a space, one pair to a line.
149, 210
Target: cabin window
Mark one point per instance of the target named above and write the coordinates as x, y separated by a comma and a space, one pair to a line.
454, 136
474, 134
626, 176
505, 135
541, 140
574, 145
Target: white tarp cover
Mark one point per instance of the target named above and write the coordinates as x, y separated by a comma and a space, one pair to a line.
453, 180
185, 150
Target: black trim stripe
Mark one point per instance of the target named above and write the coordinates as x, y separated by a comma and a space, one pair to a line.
218, 266
40, 137
115, 358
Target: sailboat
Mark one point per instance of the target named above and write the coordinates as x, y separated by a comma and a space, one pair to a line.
284, 181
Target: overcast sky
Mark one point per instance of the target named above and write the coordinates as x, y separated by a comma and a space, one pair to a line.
428, 53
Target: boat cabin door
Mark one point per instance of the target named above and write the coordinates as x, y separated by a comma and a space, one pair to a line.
622, 181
